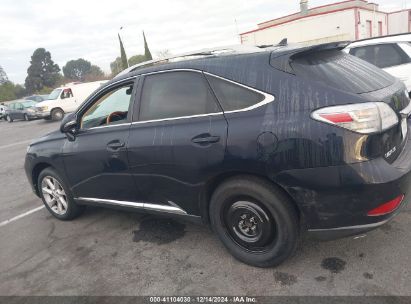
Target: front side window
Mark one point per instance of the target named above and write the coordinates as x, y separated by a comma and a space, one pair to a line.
233, 96
111, 108
67, 93
176, 94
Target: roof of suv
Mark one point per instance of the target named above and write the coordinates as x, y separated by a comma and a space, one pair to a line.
203, 58
384, 39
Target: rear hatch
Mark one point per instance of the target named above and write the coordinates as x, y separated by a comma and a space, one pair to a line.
328, 65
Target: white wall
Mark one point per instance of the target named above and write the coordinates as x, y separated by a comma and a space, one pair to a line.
316, 29
374, 17
398, 22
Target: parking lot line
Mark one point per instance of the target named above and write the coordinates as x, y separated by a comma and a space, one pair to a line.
4, 223
16, 143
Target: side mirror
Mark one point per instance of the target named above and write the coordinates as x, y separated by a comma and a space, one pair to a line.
69, 126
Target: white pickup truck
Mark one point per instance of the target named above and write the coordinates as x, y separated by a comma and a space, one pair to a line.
65, 99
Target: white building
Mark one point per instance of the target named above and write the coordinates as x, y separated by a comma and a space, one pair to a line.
346, 20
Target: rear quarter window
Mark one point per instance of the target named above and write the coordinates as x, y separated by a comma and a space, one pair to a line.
233, 96
342, 71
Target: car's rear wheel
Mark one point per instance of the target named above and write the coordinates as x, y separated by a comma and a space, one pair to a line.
56, 196
57, 114
9, 119
255, 220
26, 117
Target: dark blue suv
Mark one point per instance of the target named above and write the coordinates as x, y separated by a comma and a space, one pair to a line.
263, 146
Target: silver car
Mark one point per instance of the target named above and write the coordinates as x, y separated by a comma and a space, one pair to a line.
21, 109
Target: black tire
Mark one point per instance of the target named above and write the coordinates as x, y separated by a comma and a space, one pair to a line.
26, 117
73, 210
57, 114
275, 235
9, 119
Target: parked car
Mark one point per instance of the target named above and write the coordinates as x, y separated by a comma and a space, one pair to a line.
37, 98
262, 145
21, 109
390, 53
65, 99
3, 108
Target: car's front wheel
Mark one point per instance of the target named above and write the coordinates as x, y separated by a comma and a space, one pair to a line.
26, 117
255, 220
57, 114
9, 119
57, 196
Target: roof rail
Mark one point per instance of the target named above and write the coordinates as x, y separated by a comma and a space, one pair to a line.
212, 52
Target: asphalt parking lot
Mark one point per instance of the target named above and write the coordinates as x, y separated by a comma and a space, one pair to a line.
106, 252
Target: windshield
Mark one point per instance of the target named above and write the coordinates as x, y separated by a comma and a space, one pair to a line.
54, 95
28, 104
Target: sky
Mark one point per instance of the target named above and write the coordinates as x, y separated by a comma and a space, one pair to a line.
88, 28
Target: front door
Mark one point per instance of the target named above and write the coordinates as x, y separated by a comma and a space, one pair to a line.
96, 161
177, 141
19, 112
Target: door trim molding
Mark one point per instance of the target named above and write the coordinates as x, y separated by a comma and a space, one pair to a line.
137, 205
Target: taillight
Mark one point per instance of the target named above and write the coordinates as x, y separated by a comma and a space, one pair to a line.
363, 118
387, 207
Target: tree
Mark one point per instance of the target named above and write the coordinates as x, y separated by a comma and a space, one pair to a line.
7, 91
136, 59
3, 76
116, 66
42, 71
10, 91
124, 63
147, 52
95, 74
163, 54
77, 69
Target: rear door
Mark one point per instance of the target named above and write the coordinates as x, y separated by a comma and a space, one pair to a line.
177, 139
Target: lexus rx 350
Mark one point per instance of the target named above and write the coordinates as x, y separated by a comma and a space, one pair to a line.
262, 145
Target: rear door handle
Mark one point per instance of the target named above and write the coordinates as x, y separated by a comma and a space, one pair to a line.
115, 145
206, 140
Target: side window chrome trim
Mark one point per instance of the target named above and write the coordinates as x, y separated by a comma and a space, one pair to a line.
268, 98
109, 126
176, 118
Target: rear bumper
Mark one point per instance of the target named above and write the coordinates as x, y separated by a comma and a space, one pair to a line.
346, 231
335, 200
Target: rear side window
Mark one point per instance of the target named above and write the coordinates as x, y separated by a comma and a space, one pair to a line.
176, 94
381, 55
233, 96
342, 71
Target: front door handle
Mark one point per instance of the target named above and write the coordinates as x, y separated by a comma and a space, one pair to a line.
206, 140
115, 145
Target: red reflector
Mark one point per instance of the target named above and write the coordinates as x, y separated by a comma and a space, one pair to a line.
387, 207
337, 117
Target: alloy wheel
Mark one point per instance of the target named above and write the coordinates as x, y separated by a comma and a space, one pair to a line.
54, 195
